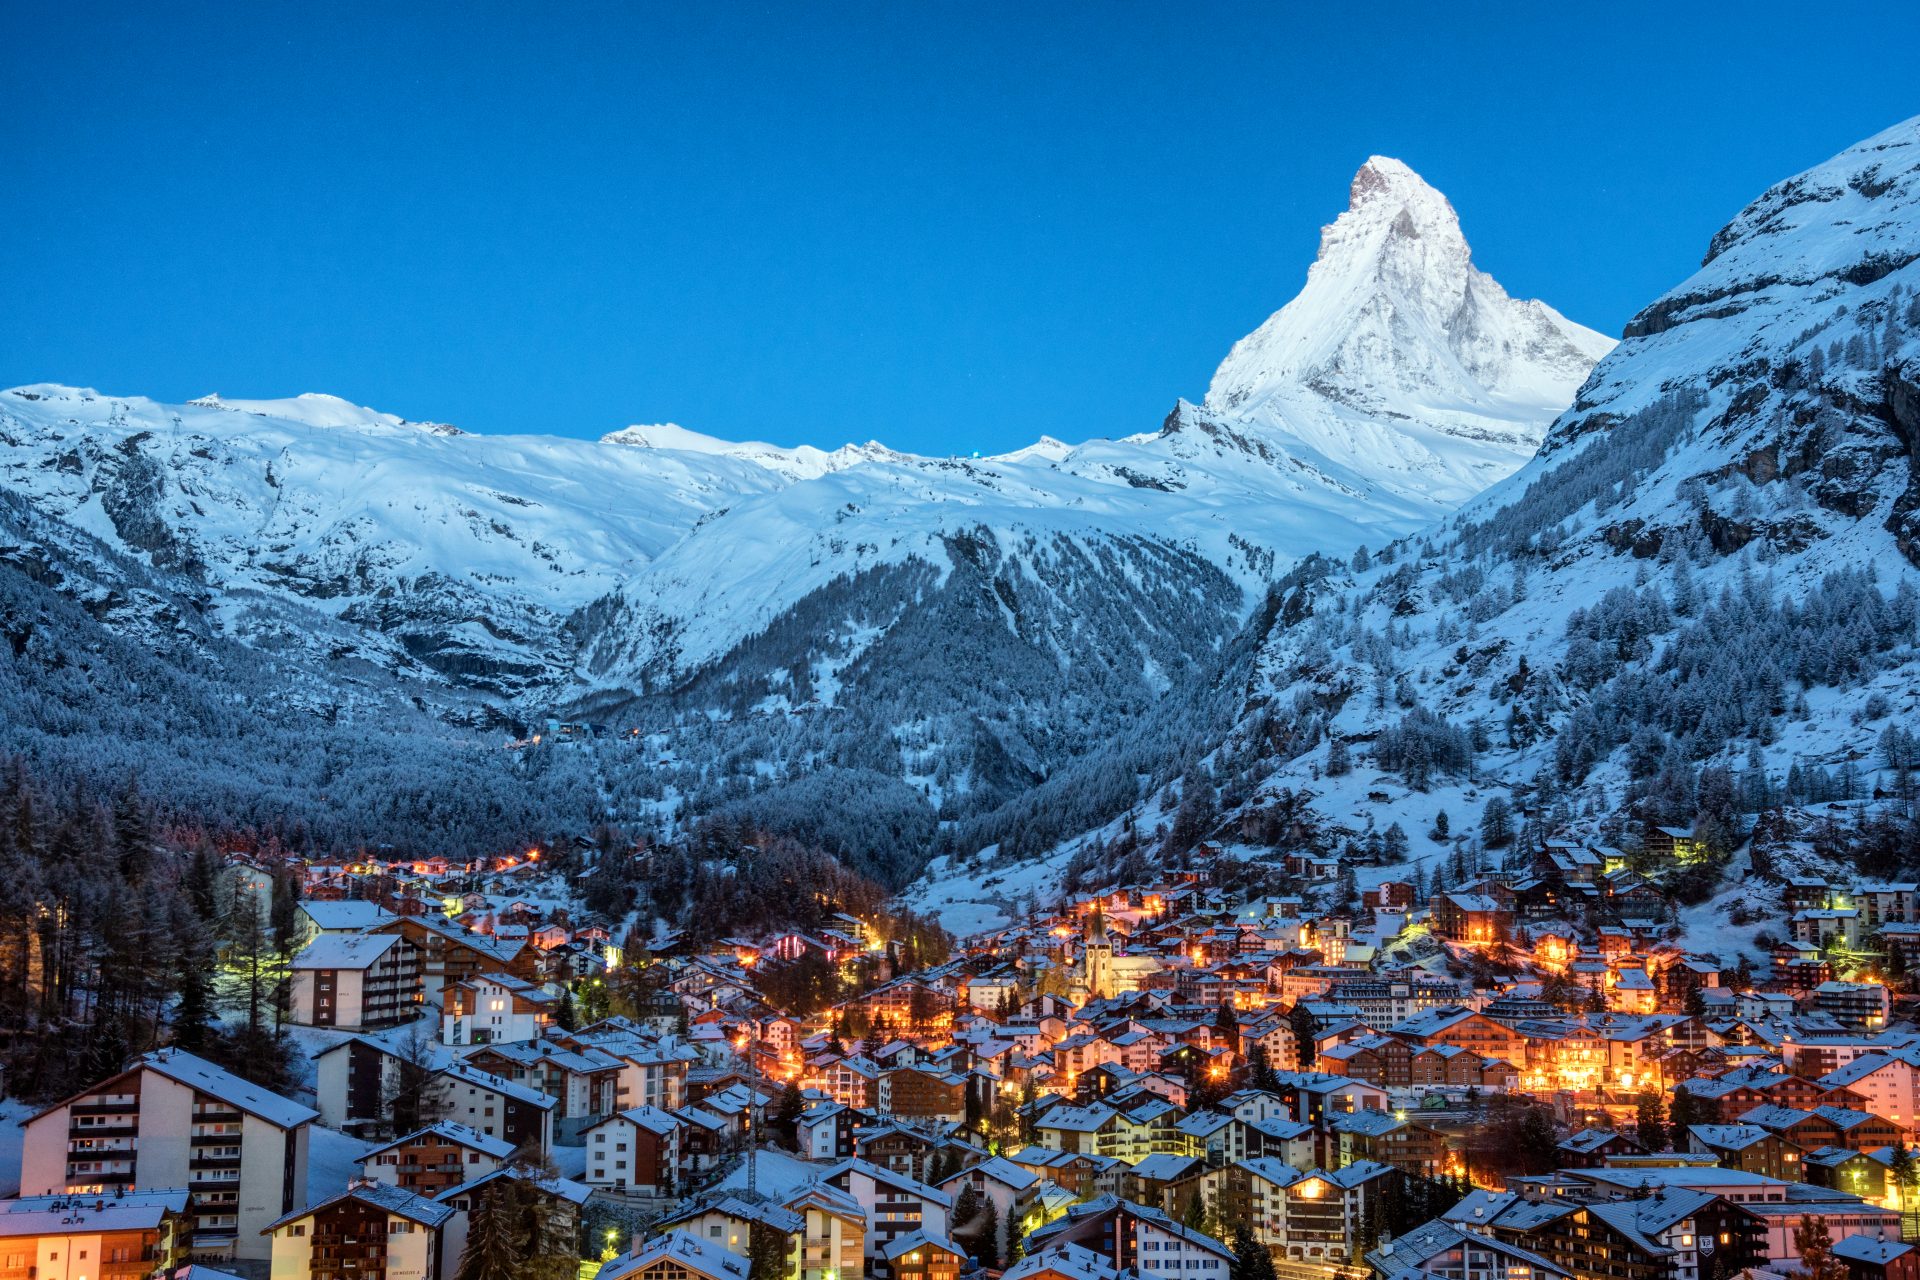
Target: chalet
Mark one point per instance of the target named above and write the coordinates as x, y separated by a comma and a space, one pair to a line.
492, 1008
1747, 1147
731, 1221
1844, 1169
1082, 1174
919, 1094
1806, 893
127, 1236
1877, 1258
1391, 1063
584, 1083
1658, 1237
1674, 844
676, 1256
430, 1160
371, 1229
1825, 1127
897, 1148
1457, 1025
1438, 1249
895, 1206
348, 916
833, 1239
1594, 1148
1382, 1137
825, 1131
1388, 895
1127, 1235
1860, 1005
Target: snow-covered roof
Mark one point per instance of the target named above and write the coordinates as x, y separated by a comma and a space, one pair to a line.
344, 915
681, 1250
345, 950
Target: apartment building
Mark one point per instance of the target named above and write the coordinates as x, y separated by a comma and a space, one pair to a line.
493, 1008
637, 1152
356, 981
497, 1108
894, 1204
173, 1120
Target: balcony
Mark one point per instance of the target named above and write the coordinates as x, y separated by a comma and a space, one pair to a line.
100, 1178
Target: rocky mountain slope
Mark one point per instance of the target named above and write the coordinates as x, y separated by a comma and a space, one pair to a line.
1703, 586
948, 632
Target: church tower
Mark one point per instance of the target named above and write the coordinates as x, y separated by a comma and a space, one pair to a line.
1097, 959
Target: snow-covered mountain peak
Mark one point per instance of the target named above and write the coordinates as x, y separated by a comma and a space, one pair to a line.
1400, 361
802, 462
318, 409
1388, 191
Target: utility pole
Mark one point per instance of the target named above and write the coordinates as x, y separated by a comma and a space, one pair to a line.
753, 1097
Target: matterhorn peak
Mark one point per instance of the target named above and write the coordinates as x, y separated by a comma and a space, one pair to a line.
1389, 184
1400, 359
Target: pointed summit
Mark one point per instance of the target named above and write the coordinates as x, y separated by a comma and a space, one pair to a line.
1398, 346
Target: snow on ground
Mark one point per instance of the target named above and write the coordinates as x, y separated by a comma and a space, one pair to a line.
330, 1161
13, 1113
776, 1173
570, 1162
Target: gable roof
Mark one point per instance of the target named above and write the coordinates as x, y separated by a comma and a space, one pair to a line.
197, 1073
462, 1134
680, 1250
466, 1073
394, 1200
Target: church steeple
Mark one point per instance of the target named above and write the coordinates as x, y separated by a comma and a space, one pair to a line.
1096, 963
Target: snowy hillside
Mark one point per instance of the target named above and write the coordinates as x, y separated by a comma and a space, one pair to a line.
450, 555
1703, 593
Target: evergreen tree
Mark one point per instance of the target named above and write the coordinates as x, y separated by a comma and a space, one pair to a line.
1904, 1177
785, 1125
1496, 822
990, 1247
1650, 1127
496, 1239
132, 833
767, 1252
1226, 1026
1305, 1027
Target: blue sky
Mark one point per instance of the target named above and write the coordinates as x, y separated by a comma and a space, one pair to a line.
951, 227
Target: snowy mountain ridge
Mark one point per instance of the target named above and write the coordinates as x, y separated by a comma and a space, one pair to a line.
973, 625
